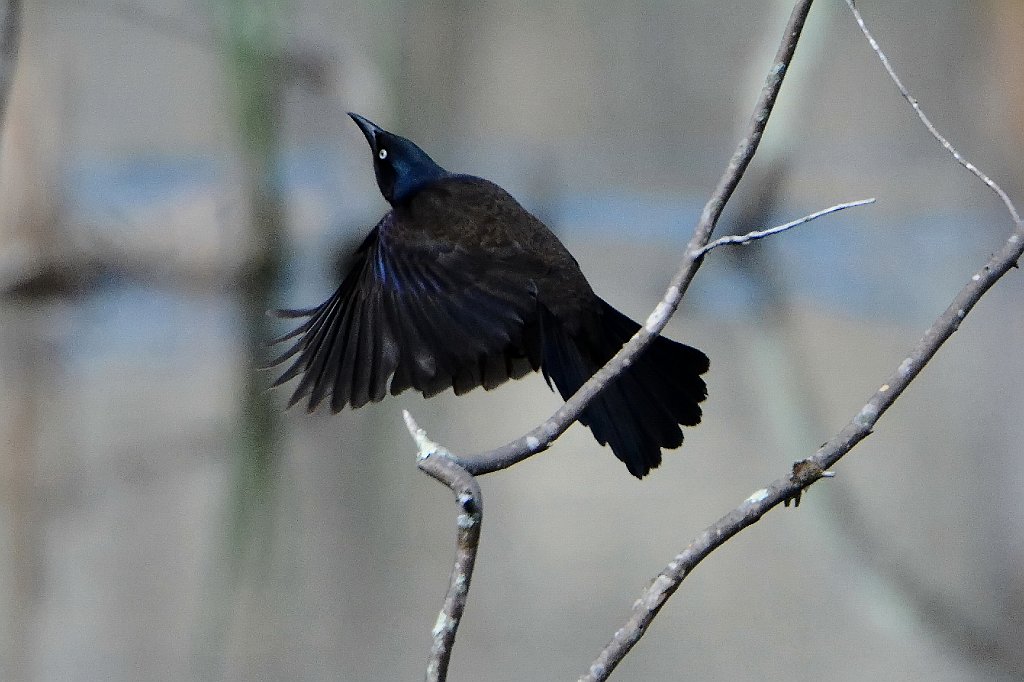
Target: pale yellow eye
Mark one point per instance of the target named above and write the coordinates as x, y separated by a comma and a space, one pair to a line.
382, 154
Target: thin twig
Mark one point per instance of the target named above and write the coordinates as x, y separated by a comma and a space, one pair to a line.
808, 471
761, 234
438, 463
927, 122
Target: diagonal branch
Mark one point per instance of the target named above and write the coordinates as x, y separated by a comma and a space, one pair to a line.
808, 471
458, 474
542, 436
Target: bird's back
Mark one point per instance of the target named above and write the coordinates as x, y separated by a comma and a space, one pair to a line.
477, 217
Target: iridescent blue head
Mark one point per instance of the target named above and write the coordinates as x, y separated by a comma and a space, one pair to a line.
401, 167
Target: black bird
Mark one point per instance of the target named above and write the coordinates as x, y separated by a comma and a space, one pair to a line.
459, 286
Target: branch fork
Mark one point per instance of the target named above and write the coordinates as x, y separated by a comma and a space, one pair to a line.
458, 474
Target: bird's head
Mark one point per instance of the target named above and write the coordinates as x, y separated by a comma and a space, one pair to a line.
401, 167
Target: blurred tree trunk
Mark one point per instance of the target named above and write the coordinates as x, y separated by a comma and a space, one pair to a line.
10, 41
252, 34
20, 376
25, 371
30, 239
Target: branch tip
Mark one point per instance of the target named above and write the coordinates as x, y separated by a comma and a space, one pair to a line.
424, 446
915, 105
744, 239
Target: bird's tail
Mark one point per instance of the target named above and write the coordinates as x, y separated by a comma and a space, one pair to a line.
641, 410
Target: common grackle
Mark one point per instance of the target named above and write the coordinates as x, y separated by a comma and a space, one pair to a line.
458, 286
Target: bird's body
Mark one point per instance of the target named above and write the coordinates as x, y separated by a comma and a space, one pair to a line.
458, 286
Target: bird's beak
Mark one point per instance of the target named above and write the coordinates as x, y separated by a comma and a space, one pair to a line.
369, 128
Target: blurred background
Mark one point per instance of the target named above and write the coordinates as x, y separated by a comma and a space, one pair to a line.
170, 169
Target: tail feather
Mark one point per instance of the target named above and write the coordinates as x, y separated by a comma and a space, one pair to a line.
640, 412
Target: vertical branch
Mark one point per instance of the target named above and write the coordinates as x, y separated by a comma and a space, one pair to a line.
438, 463
470, 501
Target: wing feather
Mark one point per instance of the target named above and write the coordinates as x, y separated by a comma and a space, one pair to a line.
427, 316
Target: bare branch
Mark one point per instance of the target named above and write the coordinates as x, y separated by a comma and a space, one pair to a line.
761, 234
805, 472
458, 474
665, 584
542, 436
438, 463
927, 122
808, 471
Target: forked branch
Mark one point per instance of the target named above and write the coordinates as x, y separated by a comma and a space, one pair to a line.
434, 460
454, 472
808, 471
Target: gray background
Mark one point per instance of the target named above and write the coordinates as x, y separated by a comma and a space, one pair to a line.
119, 453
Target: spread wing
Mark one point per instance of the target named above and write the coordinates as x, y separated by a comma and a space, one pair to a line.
425, 316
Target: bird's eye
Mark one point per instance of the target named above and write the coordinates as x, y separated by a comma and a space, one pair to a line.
382, 154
